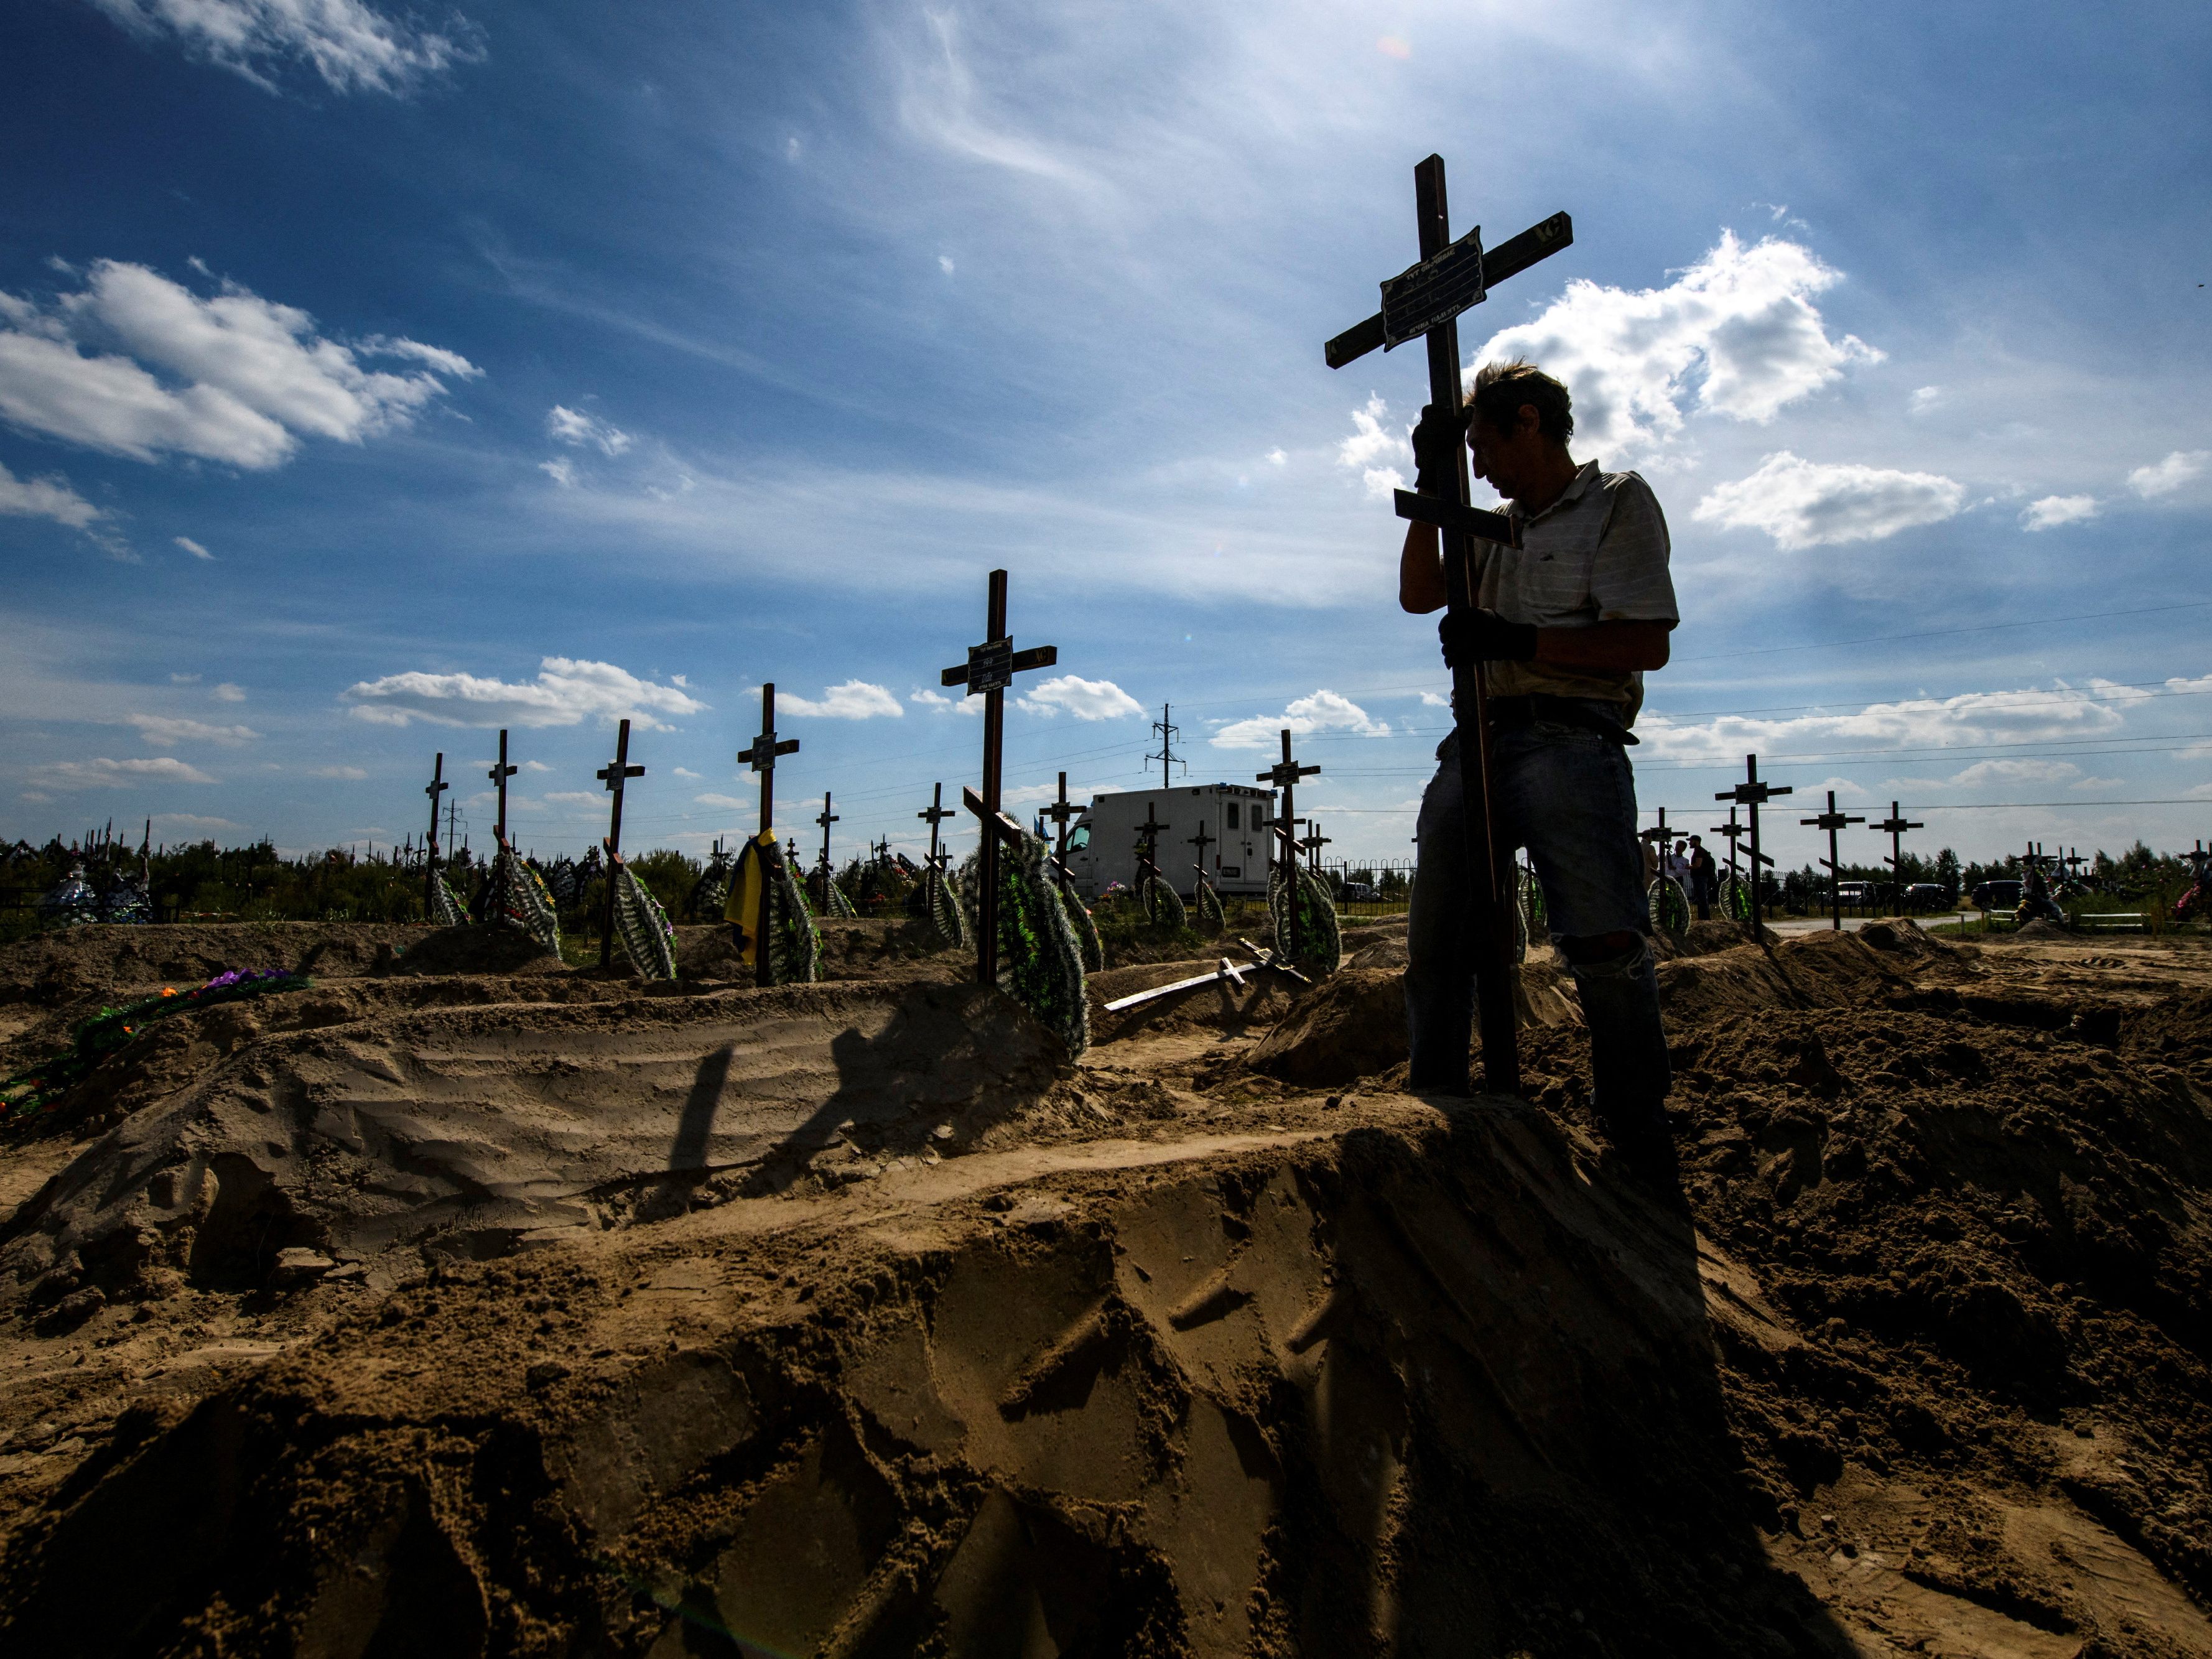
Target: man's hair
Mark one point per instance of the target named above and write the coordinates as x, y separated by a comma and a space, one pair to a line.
1500, 390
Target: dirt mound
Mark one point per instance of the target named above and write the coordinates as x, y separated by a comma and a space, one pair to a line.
99, 960
1352, 1026
474, 950
1304, 1401
462, 1130
2042, 928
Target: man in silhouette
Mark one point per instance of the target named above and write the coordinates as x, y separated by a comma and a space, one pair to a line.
1565, 627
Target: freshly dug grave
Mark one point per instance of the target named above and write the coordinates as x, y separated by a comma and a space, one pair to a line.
472, 950
465, 1130
1181, 1357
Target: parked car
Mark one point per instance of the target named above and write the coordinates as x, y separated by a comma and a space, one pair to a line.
1996, 896
1855, 895
1359, 892
1926, 895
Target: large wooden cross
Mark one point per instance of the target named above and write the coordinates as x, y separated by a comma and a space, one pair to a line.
1424, 302
615, 776
1753, 794
1284, 775
989, 670
1831, 821
436, 787
1894, 827
938, 812
761, 756
500, 774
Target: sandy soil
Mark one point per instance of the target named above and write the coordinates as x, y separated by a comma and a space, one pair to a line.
530, 1311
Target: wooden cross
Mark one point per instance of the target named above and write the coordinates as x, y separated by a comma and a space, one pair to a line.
1314, 840
939, 812
825, 818
760, 754
1753, 794
989, 670
1061, 812
1284, 774
1425, 301
615, 776
1148, 859
1658, 840
436, 787
500, 774
1201, 841
1894, 827
1831, 821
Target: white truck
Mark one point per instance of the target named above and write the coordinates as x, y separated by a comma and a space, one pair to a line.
1102, 848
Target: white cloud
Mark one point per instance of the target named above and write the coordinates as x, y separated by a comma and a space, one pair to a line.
536, 766
728, 802
575, 797
1278, 457
1925, 399
1371, 442
1324, 711
1740, 324
163, 728
575, 428
1990, 772
684, 772
1805, 504
45, 498
2164, 478
184, 679
855, 700
944, 264
2051, 511
353, 47
1087, 700
566, 692
192, 548
561, 472
105, 773
193, 821
236, 378
938, 702
351, 774
1971, 720
1435, 699
227, 692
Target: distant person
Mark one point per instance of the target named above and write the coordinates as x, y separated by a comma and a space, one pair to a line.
1704, 878
1565, 626
1678, 863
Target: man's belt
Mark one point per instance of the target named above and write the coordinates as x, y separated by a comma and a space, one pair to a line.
1586, 715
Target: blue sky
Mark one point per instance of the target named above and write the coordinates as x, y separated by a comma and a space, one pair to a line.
368, 381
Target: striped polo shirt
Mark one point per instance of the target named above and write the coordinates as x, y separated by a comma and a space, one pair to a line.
1597, 554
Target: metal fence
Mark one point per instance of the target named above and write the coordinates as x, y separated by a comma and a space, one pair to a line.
1369, 889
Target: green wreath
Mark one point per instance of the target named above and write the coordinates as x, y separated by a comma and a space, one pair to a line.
1320, 941
1213, 920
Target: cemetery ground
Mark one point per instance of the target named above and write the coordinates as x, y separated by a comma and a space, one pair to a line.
467, 1301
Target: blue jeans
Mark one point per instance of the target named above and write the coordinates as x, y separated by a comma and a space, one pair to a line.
1568, 796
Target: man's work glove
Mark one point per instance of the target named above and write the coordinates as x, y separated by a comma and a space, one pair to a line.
1480, 635
1436, 437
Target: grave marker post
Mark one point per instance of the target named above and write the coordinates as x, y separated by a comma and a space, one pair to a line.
760, 754
989, 670
1148, 860
825, 818
500, 774
1424, 302
436, 787
1201, 841
1059, 812
1313, 841
1753, 794
939, 812
1894, 827
1831, 821
1284, 775
615, 776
